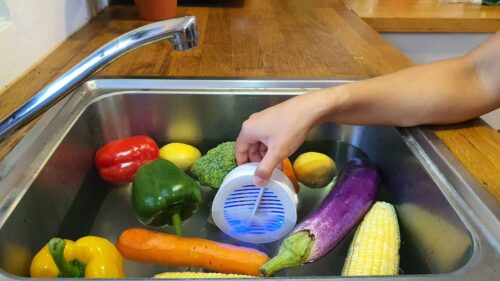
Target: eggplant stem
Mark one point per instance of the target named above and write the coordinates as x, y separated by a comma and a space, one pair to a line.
294, 251
176, 223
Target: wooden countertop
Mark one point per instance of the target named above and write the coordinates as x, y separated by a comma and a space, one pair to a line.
426, 16
255, 38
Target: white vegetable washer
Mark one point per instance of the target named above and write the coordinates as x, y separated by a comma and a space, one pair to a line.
255, 214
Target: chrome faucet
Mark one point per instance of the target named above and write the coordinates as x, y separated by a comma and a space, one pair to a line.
181, 32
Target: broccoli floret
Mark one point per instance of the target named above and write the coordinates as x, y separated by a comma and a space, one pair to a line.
211, 169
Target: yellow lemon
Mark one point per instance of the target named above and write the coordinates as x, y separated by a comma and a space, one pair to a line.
182, 155
314, 169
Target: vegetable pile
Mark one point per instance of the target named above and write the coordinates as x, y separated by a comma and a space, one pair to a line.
167, 189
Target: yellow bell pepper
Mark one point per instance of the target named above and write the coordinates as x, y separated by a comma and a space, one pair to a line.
89, 257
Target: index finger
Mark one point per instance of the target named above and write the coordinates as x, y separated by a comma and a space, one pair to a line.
265, 169
241, 148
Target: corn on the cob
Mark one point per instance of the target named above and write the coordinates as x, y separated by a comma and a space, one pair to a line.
375, 247
198, 275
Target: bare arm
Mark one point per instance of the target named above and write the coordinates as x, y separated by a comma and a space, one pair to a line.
443, 92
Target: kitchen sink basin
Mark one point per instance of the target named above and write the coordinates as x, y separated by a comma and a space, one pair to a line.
50, 187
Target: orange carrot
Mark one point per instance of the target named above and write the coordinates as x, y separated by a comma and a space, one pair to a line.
288, 170
147, 246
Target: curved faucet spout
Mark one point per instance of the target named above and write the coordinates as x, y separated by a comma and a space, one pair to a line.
181, 32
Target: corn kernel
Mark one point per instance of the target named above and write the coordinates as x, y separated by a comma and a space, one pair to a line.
198, 275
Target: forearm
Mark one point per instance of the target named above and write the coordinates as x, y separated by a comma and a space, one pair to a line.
442, 92
438, 93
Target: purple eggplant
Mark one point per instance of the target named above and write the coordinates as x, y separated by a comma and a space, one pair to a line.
341, 210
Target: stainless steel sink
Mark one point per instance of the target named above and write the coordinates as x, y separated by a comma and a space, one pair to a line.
50, 187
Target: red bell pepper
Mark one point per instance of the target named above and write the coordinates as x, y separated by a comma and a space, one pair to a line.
118, 160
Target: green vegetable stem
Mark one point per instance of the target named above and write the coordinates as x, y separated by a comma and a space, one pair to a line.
294, 251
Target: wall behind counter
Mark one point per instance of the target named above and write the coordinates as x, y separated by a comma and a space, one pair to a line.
30, 30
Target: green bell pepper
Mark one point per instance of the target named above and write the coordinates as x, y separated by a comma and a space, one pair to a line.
162, 194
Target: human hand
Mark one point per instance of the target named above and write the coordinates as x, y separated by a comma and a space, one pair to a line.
271, 135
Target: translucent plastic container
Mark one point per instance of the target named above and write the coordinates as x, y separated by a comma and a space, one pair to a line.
252, 213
